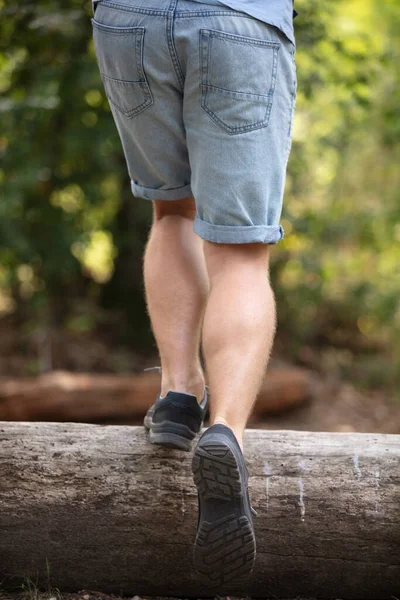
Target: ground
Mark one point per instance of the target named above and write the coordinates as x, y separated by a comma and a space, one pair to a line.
334, 404
93, 595
338, 406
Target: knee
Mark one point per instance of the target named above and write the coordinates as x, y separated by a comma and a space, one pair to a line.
185, 207
248, 252
222, 258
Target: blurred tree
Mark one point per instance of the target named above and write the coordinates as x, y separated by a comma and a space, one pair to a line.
72, 236
338, 281
66, 194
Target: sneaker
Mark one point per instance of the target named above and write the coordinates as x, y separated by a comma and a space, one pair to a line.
175, 419
225, 545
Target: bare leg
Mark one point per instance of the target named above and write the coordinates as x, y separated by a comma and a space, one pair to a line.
176, 289
238, 330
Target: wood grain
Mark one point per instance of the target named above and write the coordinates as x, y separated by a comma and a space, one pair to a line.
111, 512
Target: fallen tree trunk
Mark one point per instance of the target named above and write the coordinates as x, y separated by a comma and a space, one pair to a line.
88, 397
108, 511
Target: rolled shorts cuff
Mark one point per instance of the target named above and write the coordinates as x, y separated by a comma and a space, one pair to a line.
160, 194
238, 234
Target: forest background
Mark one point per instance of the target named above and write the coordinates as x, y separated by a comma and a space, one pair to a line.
72, 235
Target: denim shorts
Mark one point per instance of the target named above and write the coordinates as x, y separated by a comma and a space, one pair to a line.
203, 99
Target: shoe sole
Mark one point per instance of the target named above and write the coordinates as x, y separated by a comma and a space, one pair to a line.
170, 434
225, 546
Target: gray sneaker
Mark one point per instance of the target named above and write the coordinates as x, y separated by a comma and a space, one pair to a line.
225, 545
175, 419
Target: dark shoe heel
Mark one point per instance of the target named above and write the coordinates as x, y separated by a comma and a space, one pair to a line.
225, 546
172, 435
175, 419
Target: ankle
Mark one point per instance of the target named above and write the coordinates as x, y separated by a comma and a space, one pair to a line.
188, 384
238, 431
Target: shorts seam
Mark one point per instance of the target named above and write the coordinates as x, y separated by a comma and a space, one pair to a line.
111, 30
239, 39
136, 9
249, 95
132, 113
199, 13
158, 193
270, 234
242, 128
196, 13
177, 14
172, 50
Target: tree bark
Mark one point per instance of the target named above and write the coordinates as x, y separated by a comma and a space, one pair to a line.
108, 511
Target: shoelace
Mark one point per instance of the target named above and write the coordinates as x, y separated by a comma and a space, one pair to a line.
153, 369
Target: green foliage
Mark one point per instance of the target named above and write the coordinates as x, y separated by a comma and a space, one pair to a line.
337, 278
61, 165
64, 185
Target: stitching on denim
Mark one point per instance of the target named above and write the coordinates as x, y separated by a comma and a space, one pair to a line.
200, 58
232, 130
206, 36
292, 108
208, 13
172, 49
133, 112
178, 14
127, 8
239, 39
143, 83
235, 227
121, 82
142, 187
266, 44
209, 42
192, 13
201, 61
172, 6
139, 53
117, 30
238, 94
230, 232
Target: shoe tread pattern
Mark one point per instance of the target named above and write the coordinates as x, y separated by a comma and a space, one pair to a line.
225, 546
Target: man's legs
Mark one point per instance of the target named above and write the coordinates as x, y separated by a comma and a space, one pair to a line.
238, 330
176, 288
219, 293
228, 285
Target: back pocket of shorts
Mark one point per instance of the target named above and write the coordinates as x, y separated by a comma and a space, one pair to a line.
238, 75
119, 52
